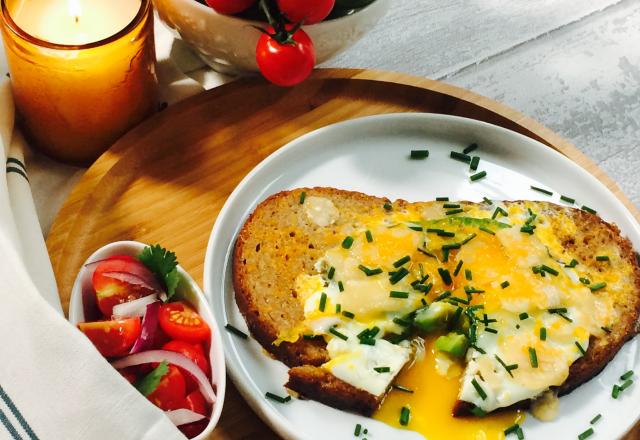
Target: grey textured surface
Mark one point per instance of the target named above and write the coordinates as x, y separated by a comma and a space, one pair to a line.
572, 65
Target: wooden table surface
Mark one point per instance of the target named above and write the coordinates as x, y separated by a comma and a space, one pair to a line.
572, 65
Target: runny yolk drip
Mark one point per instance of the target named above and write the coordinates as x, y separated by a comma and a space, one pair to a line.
431, 405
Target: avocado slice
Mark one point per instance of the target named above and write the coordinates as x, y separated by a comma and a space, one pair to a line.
435, 317
454, 344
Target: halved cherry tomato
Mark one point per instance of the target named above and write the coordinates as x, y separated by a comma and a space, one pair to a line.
287, 63
181, 322
193, 352
230, 6
110, 291
112, 338
129, 374
308, 11
196, 403
170, 393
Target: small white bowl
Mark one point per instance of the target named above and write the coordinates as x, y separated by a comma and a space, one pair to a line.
187, 289
228, 43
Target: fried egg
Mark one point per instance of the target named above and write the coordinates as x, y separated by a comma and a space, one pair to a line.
521, 303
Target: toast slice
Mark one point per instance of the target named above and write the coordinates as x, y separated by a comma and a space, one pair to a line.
280, 240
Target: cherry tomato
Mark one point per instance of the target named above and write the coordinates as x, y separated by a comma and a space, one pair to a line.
109, 291
112, 338
193, 352
286, 64
196, 403
181, 322
230, 6
307, 11
129, 374
170, 393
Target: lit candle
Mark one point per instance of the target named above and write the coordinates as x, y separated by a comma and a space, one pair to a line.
82, 71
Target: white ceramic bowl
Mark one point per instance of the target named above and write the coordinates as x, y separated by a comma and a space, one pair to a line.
187, 289
228, 43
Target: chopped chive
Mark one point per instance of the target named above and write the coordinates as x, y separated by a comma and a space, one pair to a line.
357, 431
615, 391
475, 161
397, 276
450, 205
504, 284
415, 228
323, 302
387, 206
589, 210
602, 258
595, 419
481, 392
533, 357
470, 290
478, 176
468, 275
523, 316
335, 332
331, 273
585, 280
487, 201
487, 230
395, 386
442, 233
369, 272
460, 156
235, 331
428, 254
627, 375
303, 195
405, 414
338, 308
365, 431
558, 310
567, 199
419, 154
347, 314
512, 429
627, 383
542, 190
582, 350
277, 398
586, 434
497, 211
509, 368
369, 236
550, 270
598, 286
573, 263
449, 246
435, 230
445, 275
456, 300
442, 199
340, 286
347, 242
454, 211
382, 369
458, 267
445, 294
396, 294
478, 412
528, 229
470, 148
606, 329
490, 330
469, 238
424, 288
402, 261
401, 322
543, 334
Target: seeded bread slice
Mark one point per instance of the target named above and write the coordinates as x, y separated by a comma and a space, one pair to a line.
278, 242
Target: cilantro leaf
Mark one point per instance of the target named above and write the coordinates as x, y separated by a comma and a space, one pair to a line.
163, 264
150, 382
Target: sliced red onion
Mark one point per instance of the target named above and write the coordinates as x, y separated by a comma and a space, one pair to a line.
183, 416
143, 281
134, 308
177, 359
149, 328
93, 264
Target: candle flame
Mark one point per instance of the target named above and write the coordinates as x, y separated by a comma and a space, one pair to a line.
75, 9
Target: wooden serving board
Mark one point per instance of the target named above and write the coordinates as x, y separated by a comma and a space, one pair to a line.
166, 180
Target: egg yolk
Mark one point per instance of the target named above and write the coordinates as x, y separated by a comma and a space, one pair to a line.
431, 402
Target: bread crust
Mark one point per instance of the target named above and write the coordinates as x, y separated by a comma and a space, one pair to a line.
265, 296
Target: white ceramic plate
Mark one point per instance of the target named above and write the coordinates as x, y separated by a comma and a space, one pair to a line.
371, 155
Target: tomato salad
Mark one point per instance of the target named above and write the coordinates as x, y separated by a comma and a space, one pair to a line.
155, 339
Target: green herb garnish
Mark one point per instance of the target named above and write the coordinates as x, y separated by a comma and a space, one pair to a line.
277, 398
460, 156
589, 210
382, 369
479, 390
470, 148
336, 333
150, 382
405, 414
533, 357
331, 272
542, 190
164, 266
475, 161
369, 236
402, 261
543, 334
396, 294
505, 284
419, 154
303, 195
598, 286
347, 242
602, 258
568, 199
478, 176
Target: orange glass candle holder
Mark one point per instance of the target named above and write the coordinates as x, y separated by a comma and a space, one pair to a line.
82, 73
